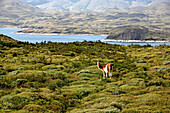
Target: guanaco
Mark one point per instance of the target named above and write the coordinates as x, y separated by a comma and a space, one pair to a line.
106, 68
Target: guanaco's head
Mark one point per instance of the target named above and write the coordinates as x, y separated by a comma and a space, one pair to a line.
98, 61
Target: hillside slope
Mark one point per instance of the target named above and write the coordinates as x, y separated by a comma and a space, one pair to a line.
59, 4
17, 8
63, 77
137, 33
91, 5
12, 11
129, 33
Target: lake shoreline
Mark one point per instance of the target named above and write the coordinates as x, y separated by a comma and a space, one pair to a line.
35, 37
136, 41
103, 40
55, 34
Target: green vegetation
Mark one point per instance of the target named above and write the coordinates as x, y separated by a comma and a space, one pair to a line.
63, 77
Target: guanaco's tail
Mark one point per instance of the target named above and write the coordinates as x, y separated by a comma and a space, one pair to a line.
111, 67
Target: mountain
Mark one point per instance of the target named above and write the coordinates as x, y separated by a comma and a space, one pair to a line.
87, 5
93, 5
158, 10
12, 11
58, 4
15, 8
161, 6
41, 2
35, 2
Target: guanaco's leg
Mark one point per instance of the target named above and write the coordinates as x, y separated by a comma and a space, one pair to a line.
106, 74
110, 75
103, 74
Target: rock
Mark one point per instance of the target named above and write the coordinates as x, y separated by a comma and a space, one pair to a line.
167, 63
162, 68
129, 33
13, 73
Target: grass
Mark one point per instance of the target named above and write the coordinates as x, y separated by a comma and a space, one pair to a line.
66, 79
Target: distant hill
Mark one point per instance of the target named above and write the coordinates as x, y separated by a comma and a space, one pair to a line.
12, 11
135, 33
129, 33
87, 5
16, 7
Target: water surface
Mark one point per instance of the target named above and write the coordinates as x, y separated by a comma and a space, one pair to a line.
33, 38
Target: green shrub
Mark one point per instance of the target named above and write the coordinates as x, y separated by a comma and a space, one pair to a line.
17, 102
84, 78
157, 82
73, 102
118, 105
136, 82
54, 74
112, 90
14, 54
86, 92
55, 84
85, 75
126, 88
34, 108
17, 91
53, 67
132, 110
10, 68
19, 82
112, 111
32, 76
2, 71
71, 94
55, 105
83, 71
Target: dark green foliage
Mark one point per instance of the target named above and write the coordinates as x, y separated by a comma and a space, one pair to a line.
34, 108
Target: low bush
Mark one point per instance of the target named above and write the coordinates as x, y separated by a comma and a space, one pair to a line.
57, 83
118, 105
34, 108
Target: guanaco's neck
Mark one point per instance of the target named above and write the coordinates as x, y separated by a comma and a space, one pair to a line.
99, 65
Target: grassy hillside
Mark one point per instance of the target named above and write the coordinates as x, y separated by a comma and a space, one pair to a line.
63, 77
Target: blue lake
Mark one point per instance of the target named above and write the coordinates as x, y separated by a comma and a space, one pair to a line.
33, 38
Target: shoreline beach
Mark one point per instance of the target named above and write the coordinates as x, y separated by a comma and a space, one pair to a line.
137, 41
